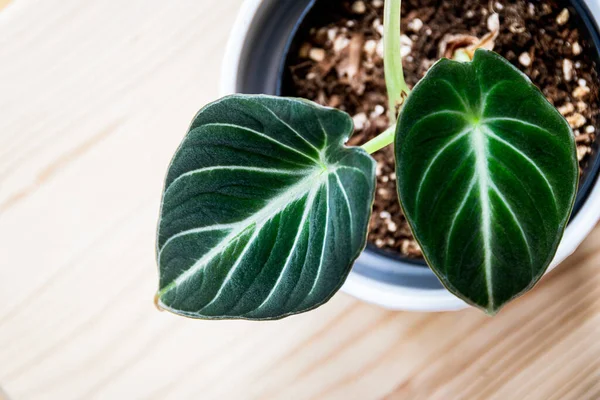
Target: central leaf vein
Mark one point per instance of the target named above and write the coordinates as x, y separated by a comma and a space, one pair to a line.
272, 208
479, 143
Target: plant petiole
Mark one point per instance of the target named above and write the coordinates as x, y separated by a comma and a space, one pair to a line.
392, 60
382, 140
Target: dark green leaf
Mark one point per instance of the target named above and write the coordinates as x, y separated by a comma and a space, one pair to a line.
264, 210
487, 176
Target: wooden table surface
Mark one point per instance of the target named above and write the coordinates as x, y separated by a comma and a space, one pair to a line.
94, 98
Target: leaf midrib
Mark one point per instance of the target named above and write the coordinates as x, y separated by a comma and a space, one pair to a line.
481, 134
274, 207
479, 144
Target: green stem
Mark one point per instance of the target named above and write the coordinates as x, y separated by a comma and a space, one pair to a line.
394, 74
380, 141
392, 59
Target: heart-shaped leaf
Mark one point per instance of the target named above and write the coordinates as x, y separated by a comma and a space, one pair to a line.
487, 176
264, 210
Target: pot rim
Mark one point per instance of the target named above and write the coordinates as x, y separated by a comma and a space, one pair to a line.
387, 295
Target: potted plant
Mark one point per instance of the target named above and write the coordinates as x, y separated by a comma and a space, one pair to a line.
386, 280
296, 184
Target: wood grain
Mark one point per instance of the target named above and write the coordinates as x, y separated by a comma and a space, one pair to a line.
95, 96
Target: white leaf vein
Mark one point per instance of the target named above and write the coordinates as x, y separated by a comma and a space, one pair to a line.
272, 208
308, 208
325, 237
515, 220
233, 268
291, 128
462, 205
478, 141
491, 134
238, 168
341, 186
439, 153
458, 95
267, 137
519, 121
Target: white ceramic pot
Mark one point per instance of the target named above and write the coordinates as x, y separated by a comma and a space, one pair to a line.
245, 70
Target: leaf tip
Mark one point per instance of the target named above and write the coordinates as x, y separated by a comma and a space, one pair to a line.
491, 312
157, 302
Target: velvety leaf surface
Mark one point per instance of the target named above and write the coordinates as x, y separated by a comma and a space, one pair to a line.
487, 176
264, 210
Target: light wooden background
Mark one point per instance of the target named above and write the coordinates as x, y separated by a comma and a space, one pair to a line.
94, 98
